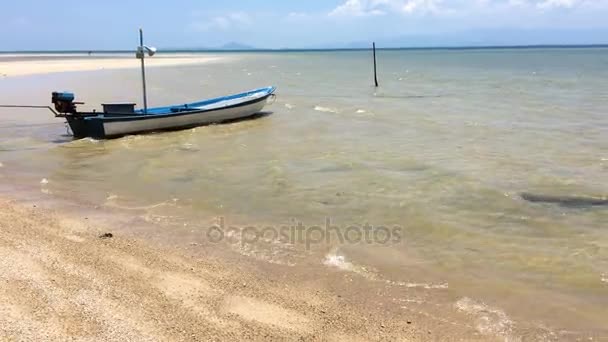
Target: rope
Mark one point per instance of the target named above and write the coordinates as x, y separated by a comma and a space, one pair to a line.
29, 106
274, 99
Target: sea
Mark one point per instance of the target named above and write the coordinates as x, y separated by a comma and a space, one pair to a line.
419, 183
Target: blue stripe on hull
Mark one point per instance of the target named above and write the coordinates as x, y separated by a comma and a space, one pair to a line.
95, 126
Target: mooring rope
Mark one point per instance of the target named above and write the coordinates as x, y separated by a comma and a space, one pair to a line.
30, 106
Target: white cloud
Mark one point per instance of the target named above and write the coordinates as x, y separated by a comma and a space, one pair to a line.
362, 8
222, 22
558, 3
359, 8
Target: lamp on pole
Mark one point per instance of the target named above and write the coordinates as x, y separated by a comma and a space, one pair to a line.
141, 54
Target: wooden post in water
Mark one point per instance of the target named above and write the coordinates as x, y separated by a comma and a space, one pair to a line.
375, 69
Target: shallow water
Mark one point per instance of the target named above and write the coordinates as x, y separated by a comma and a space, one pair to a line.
441, 151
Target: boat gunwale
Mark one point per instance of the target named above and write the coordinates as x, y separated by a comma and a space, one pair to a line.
269, 92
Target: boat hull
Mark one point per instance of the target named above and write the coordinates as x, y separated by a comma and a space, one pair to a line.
113, 126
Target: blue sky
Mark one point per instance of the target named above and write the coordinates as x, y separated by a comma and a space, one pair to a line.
112, 24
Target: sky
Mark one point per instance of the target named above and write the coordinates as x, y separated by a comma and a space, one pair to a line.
113, 24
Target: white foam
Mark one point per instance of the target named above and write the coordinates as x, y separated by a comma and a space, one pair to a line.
188, 147
1, 165
488, 320
361, 111
325, 109
423, 285
604, 278
338, 261
277, 257
335, 260
289, 106
149, 207
44, 181
111, 197
91, 140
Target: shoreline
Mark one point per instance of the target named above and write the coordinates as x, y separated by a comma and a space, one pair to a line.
324, 299
63, 280
22, 65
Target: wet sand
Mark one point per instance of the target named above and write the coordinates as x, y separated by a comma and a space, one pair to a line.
60, 281
22, 65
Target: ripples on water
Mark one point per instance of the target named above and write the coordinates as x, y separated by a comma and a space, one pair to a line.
442, 149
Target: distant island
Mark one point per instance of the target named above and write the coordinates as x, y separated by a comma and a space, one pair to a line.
236, 46
230, 46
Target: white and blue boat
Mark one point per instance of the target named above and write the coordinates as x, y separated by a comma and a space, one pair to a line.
120, 119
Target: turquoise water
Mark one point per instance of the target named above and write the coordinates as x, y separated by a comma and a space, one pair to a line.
442, 149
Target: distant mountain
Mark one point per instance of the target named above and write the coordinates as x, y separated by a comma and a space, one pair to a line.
236, 46
488, 37
232, 46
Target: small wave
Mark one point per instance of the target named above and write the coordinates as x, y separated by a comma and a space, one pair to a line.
276, 257
127, 142
361, 111
112, 198
335, 260
422, 285
43, 188
325, 109
289, 106
488, 320
338, 261
604, 278
188, 147
90, 140
83, 141
264, 249
159, 218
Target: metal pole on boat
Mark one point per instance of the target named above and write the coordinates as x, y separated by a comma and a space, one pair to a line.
141, 54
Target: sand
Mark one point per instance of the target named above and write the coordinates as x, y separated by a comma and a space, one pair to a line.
60, 280
19, 65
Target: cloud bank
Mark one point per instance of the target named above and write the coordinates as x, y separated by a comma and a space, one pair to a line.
365, 8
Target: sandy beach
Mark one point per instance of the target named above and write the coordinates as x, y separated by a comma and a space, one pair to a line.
61, 279
22, 65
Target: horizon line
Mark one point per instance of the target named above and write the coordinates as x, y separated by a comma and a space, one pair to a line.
253, 49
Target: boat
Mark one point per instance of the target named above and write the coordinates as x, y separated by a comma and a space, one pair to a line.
120, 119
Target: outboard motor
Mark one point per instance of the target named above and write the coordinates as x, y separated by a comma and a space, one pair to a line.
64, 102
